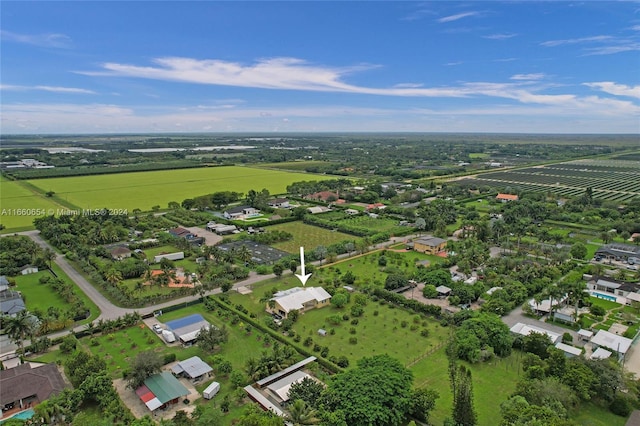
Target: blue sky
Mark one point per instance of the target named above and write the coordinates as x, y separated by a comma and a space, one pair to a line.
121, 67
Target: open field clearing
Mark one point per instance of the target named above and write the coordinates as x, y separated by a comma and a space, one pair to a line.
307, 236
19, 206
144, 190
611, 180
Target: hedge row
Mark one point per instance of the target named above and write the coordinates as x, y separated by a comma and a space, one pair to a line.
278, 336
400, 300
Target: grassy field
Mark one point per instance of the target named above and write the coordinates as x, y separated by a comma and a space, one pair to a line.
307, 236
41, 296
144, 190
19, 206
367, 270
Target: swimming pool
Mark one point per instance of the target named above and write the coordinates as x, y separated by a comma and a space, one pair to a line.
22, 415
604, 296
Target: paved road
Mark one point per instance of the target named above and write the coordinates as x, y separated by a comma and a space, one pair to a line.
110, 311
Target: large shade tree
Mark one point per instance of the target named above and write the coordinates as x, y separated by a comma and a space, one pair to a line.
376, 392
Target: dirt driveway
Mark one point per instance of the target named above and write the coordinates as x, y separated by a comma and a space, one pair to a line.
210, 238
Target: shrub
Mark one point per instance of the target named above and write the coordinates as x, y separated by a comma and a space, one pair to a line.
308, 341
567, 338
68, 344
376, 313
357, 310
424, 332
170, 357
354, 321
621, 405
324, 352
404, 324
345, 317
352, 330
597, 310
353, 340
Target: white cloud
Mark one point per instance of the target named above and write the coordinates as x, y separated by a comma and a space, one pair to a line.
499, 36
626, 46
528, 77
61, 41
562, 114
55, 89
408, 85
635, 28
616, 89
456, 17
554, 43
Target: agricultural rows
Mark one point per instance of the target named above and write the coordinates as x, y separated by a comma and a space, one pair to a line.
610, 180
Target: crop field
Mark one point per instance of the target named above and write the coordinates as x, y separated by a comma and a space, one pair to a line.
143, 190
611, 180
19, 206
294, 165
307, 236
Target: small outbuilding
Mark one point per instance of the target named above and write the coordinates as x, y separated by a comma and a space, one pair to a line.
443, 291
585, 335
211, 390
193, 368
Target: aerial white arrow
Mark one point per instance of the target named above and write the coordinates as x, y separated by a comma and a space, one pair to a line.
302, 277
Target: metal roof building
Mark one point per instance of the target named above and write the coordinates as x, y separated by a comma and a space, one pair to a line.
192, 367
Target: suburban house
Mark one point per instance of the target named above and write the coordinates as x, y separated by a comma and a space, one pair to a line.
193, 368
241, 213
618, 251
25, 386
120, 252
177, 278
160, 390
505, 198
279, 203
298, 298
10, 301
545, 306
616, 291
374, 206
525, 330
612, 342
429, 245
28, 269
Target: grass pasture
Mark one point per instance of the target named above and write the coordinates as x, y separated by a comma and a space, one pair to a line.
366, 268
308, 236
20, 206
41, 296
143, 190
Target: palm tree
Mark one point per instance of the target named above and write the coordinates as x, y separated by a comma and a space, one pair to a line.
19, 327
113, 276
49, 255
301, 414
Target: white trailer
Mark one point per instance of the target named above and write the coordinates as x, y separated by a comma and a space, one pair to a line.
211, 390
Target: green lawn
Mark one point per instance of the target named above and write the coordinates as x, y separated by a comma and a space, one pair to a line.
307, 236
20, 206
367, 270
41, 296
144, 190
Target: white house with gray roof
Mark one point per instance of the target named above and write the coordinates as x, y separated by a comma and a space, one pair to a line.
298, 298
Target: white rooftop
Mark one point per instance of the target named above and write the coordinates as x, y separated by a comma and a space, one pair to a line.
493, 289
569, 349
297, 297
600, 353
545, 305
282, 386
525, 330
585, 333
634, 296
612, 341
